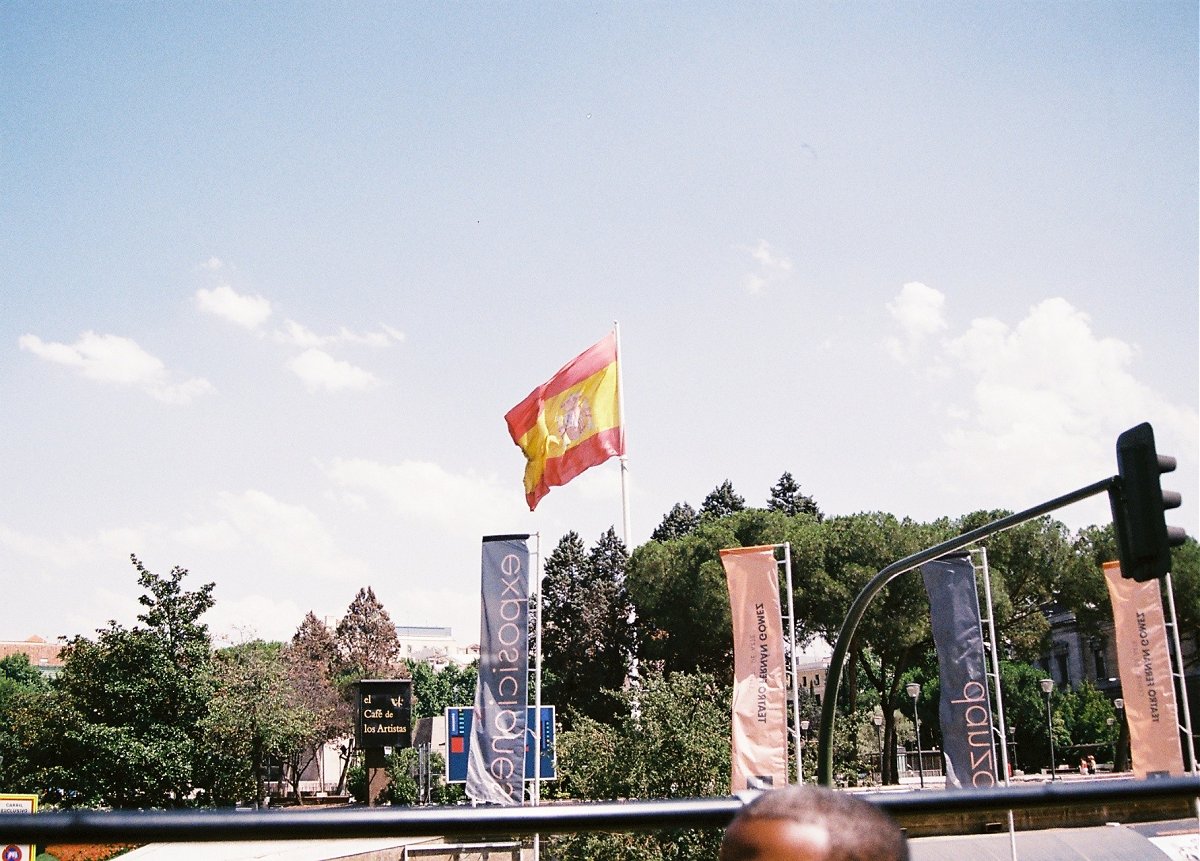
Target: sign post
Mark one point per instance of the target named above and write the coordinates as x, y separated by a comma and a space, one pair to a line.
17, 803
384, 721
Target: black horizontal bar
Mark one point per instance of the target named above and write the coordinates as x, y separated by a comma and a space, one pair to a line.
195, 826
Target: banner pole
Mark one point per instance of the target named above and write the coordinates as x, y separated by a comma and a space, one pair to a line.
623, 459
1184, 709
1004, 763
791, 635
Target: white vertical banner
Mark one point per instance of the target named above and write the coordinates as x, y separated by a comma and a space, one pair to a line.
1145, 668
759, 742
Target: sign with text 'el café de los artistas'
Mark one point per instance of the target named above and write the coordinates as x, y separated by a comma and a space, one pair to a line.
384, 713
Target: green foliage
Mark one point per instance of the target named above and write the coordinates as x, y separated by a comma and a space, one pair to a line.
1025, 711
253, 717
18, 674
403, 786
403, 768
1185, 578
436, 690
786, 498
18, 670
588, 636
722, 501
672, 741
367, 640
312, 664
679, 591
681, 520
121, 726
1028, 566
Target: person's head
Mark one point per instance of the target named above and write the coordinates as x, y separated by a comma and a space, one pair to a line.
810, 823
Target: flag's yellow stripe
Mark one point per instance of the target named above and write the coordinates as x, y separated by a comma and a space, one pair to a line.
544, 441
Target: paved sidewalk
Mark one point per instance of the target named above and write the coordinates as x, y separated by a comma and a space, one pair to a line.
366, 849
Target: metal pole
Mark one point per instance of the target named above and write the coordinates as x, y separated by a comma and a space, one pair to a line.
623, 459
917, 720
841, 648
1184, 709
787, 565
536, 795
1047, 689
1004, 764
173, 826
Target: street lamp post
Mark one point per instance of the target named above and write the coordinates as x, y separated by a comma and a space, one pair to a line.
914, 691
1119, 705
804, 725
877, 719
1012, 742
1047, 688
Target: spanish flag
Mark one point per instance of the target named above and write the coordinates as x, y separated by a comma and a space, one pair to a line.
570, 423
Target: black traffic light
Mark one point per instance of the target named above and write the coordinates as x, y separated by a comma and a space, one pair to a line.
1138, 502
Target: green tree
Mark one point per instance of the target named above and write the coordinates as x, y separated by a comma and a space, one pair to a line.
1185, 579
722, 501
681, 520
436, 690
132, 700
367, 640
787, 499
893, 635
17, 674
588, 635
312, 662
253, 718
1025, 714
679, 589
674, 744
1028, 564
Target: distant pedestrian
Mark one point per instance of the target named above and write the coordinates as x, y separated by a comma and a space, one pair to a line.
1091, 764
1083, 766
811, 823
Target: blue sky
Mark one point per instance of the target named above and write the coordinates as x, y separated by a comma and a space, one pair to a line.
271, 275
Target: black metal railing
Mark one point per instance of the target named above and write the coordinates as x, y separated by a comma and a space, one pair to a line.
156, 826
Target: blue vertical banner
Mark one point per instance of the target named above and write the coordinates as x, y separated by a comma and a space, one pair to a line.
496, 762
965, 710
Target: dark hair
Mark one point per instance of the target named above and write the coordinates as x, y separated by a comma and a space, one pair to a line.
858, 830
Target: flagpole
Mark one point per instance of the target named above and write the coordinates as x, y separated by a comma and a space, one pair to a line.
537, 692
623, 458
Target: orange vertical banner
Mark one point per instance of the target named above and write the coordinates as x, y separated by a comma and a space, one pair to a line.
759, 743
1146, 682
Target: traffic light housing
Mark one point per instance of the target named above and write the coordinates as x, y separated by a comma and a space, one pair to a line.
1138, 502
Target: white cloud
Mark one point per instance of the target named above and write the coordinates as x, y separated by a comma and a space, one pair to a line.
320, 371
119, 361
464, 503
299, 335
1044, 402
772, 268
269, 617
68, 551
247, 311
293, 536
920, 312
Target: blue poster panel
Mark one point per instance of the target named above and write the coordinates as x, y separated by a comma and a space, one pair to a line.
458, 743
